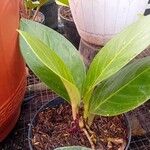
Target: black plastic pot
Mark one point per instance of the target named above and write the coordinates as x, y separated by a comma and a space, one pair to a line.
50, 11
56, 102
69, 27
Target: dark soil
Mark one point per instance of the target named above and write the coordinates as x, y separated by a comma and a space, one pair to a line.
54, 129
66, 13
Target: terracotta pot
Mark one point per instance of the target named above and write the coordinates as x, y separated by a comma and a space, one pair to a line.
12, 74
97, 21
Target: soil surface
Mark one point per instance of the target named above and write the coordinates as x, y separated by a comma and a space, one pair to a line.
66, 13
54, 129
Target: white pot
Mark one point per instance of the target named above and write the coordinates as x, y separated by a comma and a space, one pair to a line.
98, 21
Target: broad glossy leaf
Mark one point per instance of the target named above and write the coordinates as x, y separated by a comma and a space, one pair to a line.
42, 71
73, 148
62, 2
61, 46
52, 62
124, 91
118, 52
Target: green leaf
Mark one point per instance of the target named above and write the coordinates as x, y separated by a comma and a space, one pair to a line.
73, 148
64, 49
62, 2
29, 4
50, 60
124, 91
118, 52
43, 72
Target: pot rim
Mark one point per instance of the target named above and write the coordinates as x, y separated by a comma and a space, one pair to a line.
61, 16
56, 101
42, 17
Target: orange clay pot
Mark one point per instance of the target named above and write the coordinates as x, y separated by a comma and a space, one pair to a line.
12, 67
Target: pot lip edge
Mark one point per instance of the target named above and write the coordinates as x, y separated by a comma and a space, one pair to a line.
61, 16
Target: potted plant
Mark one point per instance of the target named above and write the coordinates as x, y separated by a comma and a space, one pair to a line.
69, 27
98, 21
111, 86
30, 10
50, 11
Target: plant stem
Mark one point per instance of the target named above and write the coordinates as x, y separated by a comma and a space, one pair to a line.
90, 119
29, 16
86, 101
35, 14
74, 111
86, 110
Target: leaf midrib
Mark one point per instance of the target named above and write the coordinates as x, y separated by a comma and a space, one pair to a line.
95, 82
47, 65
121, 88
